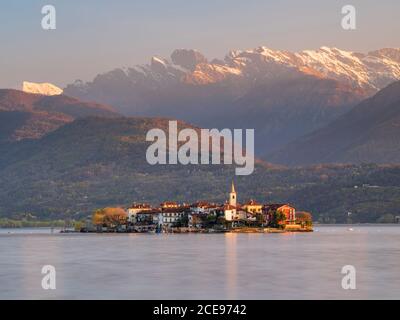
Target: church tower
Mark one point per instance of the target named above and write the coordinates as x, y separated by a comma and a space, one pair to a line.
232, 196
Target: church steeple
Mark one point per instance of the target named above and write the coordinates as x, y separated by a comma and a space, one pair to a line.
232, 196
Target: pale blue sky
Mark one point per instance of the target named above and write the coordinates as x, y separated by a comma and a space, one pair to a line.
95, 36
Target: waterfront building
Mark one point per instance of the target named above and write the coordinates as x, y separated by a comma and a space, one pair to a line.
195, 220
286, 209
229, 212
147, 216
203, 214
201, 207
253, 207
233, 196
169, 204
135, 208
170, 217
229, 208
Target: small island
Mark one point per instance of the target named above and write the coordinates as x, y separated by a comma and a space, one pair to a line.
201, 217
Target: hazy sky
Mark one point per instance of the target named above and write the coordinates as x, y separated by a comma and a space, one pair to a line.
94, 36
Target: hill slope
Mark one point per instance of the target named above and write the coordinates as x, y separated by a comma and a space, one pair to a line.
99, 162
368, 133
90, 163
31, 116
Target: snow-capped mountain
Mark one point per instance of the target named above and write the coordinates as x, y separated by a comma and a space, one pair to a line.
46, 89
281, 94
371, 71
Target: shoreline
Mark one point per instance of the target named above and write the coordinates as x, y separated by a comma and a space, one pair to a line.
60, 228
202, 231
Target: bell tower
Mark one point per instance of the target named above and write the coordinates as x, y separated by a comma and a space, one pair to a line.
232, 196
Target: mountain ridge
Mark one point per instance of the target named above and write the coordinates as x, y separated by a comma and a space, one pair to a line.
372, 71
30, 116
295, 93
367, 133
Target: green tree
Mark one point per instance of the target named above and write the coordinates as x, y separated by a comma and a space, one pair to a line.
78, 225
278, 219
304, 218
386, 218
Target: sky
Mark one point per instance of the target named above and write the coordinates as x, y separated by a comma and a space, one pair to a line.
95, 36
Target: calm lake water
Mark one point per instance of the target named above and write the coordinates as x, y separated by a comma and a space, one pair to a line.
201, 266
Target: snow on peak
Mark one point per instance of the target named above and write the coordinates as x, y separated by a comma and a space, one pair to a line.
374, 70
369, 71
46, 89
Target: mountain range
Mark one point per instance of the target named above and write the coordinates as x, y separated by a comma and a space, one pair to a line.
282, 95
63, 157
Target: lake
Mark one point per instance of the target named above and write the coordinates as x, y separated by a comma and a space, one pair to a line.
202, 266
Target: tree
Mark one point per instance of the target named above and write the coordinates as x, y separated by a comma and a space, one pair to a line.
304, 218
110, 217
98, 217
386, 218
278, 219
183, 221
78, 225
196, 220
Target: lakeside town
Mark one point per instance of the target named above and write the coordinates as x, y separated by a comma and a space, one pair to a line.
202, 216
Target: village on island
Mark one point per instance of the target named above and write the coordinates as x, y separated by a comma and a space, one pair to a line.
204, 217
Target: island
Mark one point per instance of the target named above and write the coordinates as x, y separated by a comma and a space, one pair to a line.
201, 217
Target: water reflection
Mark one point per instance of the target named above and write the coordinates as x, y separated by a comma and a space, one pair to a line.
198, 266
231, 265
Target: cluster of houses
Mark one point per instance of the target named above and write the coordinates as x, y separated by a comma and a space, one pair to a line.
203, 215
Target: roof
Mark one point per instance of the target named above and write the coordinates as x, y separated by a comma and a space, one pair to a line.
233, 188
252, 202
139, 206
172, 210
303, 215
228, 207
273, 206
169, 203
200, 204
152, 211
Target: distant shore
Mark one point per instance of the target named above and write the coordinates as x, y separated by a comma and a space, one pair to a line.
16, 224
